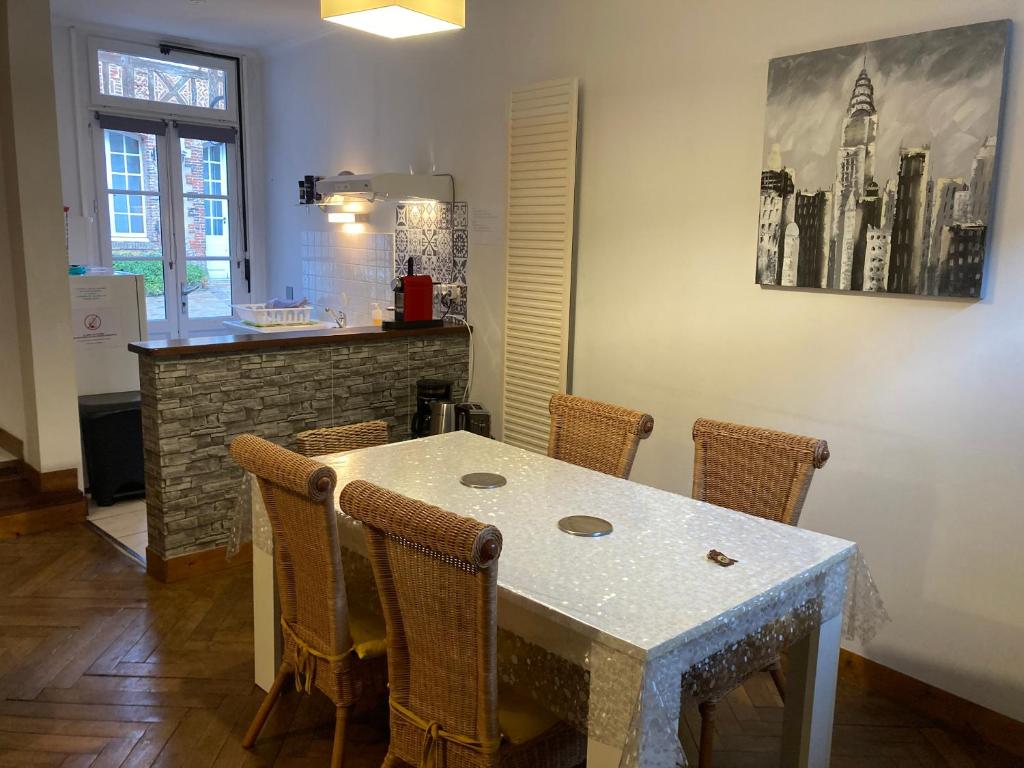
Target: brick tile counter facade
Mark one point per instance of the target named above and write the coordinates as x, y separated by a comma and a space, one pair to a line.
194, 405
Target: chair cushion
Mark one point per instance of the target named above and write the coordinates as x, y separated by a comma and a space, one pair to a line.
369, 635
521, 719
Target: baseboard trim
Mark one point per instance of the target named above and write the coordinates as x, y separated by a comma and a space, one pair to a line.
195, 563
43, 518
957, 713
13, 445
58, 481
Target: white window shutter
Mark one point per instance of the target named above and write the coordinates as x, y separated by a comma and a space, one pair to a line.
543, 128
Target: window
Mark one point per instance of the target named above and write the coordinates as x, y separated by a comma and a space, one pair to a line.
168, 123
213, 184
125, 174
163, 81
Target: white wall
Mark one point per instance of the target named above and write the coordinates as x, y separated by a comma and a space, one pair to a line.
12, 403
38, 268
919, 399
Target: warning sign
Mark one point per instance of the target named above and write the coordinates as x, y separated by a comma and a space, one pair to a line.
96, 325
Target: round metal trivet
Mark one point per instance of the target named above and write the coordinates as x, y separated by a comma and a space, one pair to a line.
585, 525
483, 480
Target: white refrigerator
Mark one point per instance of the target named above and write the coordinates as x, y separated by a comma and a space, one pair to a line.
108, 312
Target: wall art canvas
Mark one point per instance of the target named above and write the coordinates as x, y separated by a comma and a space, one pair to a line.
880, 163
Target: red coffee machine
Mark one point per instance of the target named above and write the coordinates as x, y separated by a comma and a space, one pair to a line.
414, 301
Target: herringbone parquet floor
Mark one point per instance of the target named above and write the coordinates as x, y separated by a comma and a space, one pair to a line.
102, 666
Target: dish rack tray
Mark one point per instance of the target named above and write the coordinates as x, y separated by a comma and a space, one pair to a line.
260, 316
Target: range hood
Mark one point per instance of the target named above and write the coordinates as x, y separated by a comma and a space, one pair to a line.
375, 187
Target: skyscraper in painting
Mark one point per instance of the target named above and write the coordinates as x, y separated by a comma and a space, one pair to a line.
907, 237
813, 219
903, 201
855, 170
776, 214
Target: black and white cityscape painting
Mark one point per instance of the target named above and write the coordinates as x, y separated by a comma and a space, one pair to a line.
879, 163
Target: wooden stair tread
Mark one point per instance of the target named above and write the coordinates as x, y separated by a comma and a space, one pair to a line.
25, 510
35, 500
14, 486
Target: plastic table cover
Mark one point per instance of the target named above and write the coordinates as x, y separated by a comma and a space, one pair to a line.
611, 633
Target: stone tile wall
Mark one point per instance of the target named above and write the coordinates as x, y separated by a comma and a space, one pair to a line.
192, 407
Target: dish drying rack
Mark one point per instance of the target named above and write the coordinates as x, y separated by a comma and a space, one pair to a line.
261, 316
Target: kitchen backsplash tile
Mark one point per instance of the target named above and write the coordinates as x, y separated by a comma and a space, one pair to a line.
346, 271
354, 271
436, 237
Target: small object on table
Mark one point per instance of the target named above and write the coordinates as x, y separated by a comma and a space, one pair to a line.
483, 480
721, 559
585, 525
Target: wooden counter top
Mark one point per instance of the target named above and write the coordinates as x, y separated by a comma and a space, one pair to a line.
228, 344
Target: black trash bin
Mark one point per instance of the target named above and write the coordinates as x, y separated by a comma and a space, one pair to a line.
112, 436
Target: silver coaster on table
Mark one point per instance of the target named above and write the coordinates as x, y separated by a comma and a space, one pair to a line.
585, 525
483, 480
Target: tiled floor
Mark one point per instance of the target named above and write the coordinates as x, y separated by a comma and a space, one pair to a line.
125, 522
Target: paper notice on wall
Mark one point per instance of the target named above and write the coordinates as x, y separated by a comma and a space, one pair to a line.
88, 293
485, 226
97, 326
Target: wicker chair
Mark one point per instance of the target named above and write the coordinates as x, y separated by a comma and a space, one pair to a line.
320, 442
763, 473
437, 576
325, 645
596, 435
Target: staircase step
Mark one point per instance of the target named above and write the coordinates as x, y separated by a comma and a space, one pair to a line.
25, 510
16, 522
13, 485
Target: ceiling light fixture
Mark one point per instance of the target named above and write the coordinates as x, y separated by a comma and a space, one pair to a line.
396, 18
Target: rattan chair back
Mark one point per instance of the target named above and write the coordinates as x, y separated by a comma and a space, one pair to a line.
437, 577
758, 471
319, 442
299, 496
596, 435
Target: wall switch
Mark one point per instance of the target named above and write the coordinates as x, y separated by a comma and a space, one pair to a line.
289, 292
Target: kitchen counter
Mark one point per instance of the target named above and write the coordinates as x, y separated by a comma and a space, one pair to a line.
298, 338
199, 394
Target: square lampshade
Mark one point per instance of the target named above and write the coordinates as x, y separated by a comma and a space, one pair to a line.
397, 18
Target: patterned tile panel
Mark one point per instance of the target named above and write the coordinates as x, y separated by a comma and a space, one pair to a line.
436, 236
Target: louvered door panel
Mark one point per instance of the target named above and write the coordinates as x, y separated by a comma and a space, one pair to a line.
543, 126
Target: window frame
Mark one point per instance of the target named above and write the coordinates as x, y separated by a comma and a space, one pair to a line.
129, 104
221, 192
126, 193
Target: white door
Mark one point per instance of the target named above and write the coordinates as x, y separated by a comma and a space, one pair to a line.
166, 130
175, 224
135, 224
207, 214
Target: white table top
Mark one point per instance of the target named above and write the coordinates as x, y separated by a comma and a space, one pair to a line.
648, 586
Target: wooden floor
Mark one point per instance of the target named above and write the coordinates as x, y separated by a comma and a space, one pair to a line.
102, 666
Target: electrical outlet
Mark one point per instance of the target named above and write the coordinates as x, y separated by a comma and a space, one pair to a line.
451, 291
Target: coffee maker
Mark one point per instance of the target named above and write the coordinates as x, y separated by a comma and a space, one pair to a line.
427, 392
414, 301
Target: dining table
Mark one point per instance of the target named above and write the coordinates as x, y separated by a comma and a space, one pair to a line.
613, 633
